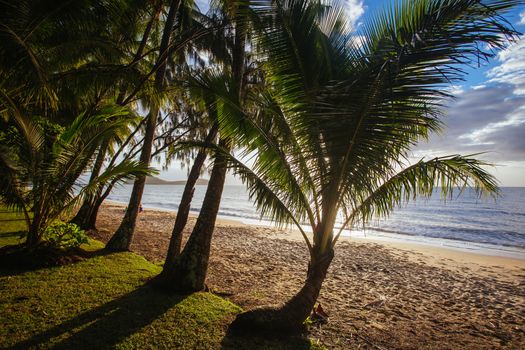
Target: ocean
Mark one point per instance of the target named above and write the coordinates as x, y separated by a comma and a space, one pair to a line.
466, 222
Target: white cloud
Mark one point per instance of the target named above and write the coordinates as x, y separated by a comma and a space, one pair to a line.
512, 68
522, 18
479, 136
351, 10
354, 10
477, 87
455, 90
483, 120
358, 40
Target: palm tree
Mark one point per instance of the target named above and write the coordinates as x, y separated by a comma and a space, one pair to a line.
217, 45
343, 111
42, 166
186, 272
61, 59
87, 214
174, 38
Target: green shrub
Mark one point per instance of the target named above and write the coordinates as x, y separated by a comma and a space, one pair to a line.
64, 235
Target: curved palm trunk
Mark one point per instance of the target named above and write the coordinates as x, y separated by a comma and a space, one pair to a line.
80, 218
185, 202
97, 202
291, 316
122, 238
188, 272
91, 219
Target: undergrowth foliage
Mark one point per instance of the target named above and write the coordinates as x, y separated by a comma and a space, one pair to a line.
64, 235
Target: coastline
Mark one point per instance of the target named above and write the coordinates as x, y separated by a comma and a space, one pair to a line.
433, 248
388, 294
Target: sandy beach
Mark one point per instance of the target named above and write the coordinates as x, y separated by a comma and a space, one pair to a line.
379, 295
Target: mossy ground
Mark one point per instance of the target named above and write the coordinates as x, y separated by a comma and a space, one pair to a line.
105, 302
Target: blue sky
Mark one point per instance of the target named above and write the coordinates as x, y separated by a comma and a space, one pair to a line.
487, 115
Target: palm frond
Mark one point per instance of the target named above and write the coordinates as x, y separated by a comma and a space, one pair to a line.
446, 174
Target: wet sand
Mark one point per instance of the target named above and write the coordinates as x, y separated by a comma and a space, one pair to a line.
379, 295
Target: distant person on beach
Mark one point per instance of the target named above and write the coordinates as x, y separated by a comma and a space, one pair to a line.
140, 210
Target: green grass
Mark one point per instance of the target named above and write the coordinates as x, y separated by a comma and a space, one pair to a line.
103, 302
10, 226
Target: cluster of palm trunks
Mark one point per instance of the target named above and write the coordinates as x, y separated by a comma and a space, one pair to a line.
317, 118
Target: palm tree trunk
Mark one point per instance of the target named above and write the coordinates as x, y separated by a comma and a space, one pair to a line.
33, 234
122, 238
99, 199
80, 217
291, 316
188, 272
185, 202
83, 214
91, 220
32, 239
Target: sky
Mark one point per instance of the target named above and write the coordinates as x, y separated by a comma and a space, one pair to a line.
487, 114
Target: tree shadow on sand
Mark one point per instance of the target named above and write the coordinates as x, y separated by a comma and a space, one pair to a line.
107, 325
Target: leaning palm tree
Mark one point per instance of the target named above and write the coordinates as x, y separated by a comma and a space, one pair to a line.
175, 38
42, 165
186, 272
342, 113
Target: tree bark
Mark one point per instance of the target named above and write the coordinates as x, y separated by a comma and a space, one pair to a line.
122, 238
83, 214
33, 238
91, 220
291, 316
34, 234
188, 272
185, 202
80, 218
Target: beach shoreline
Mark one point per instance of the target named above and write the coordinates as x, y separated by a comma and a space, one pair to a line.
387, 294
431, 247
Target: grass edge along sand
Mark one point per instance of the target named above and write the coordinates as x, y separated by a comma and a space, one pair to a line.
105, 302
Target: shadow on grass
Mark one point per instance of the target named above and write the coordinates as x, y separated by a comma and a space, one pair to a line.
254, 339
11, 234
14, 259
106, 325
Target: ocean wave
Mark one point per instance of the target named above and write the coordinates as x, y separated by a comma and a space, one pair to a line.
467, 219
